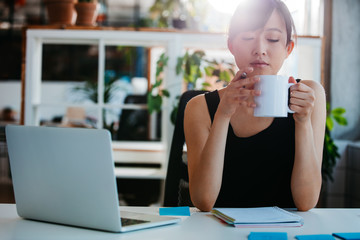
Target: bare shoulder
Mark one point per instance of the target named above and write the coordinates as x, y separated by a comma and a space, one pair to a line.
196, 110
195, 104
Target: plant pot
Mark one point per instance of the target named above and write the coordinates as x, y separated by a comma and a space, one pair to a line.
60, 11
86, 13
179, 23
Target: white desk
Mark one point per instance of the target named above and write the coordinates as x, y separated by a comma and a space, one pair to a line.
198, 226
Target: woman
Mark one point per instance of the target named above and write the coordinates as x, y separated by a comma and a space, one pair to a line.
238, 160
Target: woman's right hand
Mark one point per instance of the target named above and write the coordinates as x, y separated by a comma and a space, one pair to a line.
238, 93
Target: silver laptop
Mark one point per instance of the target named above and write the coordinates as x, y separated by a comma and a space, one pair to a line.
66, 176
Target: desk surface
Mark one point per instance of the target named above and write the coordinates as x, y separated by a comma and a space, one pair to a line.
198, 226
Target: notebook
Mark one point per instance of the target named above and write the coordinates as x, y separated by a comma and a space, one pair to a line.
258, 217
66, 176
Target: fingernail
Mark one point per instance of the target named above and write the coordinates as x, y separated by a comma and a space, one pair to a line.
256, 79
257, 92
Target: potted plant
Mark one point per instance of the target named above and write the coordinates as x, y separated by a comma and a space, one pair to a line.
156, 93
177, 14
89, 91
192, 66
222, 71
330, 151
189, 67
60, 11
86, 12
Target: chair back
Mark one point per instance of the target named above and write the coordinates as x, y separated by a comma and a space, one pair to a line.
133, 123
176, 184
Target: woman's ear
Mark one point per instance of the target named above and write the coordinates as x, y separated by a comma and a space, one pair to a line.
290, 47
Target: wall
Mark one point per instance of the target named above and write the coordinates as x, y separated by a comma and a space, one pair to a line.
345, 67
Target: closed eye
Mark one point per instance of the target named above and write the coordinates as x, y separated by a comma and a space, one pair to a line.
273, 40
247, 38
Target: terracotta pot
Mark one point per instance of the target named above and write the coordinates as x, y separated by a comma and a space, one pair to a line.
86, 13
60, 11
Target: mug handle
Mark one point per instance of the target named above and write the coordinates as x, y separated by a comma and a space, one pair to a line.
289, 110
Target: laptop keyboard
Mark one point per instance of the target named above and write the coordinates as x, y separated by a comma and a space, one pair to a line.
130, 221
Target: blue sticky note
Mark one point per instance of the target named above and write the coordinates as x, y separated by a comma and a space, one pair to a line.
315, 237
174, 211
268, 236
348, 236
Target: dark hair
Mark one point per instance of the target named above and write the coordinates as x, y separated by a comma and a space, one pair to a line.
263, 10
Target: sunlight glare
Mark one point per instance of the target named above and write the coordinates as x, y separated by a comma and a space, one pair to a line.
226, 6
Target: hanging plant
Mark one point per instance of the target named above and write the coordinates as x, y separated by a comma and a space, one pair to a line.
189, 67
156, 93
330, 151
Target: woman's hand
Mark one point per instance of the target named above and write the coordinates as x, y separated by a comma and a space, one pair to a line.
302, 101
238, 93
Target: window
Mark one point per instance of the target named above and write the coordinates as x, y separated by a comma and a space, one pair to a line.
70, 86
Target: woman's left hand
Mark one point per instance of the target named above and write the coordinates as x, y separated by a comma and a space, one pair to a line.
302, 101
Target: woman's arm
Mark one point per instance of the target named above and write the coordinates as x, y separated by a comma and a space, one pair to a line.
205, 152
308, 101
206, 142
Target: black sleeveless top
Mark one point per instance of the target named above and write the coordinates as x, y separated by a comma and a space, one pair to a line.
257, 169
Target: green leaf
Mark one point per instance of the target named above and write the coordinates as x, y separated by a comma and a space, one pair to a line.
161, 63
188, 67
154, 103
340, 120
187, 78
179, 65
165, 93
157, 83
206, 84
338, 111
329, 123
225, 76
196, 59
209, 71
150, 103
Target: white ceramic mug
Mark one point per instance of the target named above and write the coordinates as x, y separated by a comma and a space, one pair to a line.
273, 100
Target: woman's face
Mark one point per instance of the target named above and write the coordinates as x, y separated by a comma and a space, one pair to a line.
264, 49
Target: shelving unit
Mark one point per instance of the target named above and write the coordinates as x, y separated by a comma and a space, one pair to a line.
173, 42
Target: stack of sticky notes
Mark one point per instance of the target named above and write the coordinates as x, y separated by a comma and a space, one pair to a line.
315, 237
268, 236
174, 211
283, 236
348, 236
345, 236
